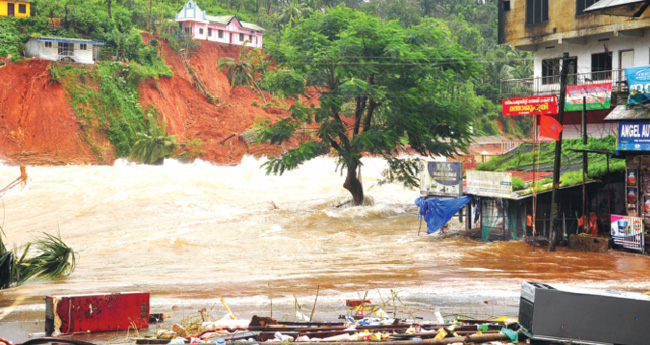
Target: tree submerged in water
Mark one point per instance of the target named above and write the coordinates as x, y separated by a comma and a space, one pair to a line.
381, 89
55, 260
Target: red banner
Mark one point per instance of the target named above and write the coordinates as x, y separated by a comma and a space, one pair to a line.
531, 105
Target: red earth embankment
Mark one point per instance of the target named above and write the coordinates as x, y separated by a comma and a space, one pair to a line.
190, 115
38, 125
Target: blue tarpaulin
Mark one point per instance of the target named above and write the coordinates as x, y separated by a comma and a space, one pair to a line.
438, 211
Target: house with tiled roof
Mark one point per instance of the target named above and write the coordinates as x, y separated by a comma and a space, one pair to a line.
15, 8
227, 29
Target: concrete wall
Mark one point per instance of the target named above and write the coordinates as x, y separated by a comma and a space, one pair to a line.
594, 45
563, 24
34, 48
231, 33
4, 8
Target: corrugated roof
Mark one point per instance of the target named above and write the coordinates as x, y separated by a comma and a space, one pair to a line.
67, 40
627, 8
622, 113
225, 20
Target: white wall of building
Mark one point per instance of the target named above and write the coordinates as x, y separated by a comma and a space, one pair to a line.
593, 45
34, 48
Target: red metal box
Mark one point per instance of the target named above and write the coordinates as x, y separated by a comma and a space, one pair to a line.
96, 312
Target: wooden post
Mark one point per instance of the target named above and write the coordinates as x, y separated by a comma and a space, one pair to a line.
468, 217
554, 228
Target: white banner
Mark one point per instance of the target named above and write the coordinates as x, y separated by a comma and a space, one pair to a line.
489, 183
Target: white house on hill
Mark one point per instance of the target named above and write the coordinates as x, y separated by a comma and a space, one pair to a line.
63, 49
223, 29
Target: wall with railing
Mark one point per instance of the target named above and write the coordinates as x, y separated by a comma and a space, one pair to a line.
551, 85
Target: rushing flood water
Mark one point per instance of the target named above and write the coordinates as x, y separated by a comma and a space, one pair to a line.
191, 233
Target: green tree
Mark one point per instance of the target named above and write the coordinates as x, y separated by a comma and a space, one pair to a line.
379, 86
241, 71
153, 147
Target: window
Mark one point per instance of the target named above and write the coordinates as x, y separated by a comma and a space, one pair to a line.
241, 37
187, 29
200, 31
209, 32
550, 71
83, 46
22, 8
48, 44
250, 38
582, 4
66, 49
601, 66
220, 33
536, 11
506, 5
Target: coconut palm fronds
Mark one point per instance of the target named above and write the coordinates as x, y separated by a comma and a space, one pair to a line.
56, 260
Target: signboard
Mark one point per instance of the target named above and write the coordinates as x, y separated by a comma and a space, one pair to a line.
441, 179
597, 96
633, 136
627, 232
532, 105
638, 81
489, 183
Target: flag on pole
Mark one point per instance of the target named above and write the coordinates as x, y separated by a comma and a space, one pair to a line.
549, 127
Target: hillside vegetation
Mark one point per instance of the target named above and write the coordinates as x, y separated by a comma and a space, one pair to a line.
142, 65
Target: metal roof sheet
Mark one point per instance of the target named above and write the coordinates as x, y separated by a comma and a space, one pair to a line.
627, 8
67, 40
622, 113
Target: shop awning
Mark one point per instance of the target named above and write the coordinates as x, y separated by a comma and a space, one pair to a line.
622, 113
626, 8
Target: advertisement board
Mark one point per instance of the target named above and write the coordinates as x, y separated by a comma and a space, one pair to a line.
597, 96
489, 183
638, 81
532, 105
627, 232
441, 179
633, 136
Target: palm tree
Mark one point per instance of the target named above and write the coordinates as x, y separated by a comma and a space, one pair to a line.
241, 71
153, 147
55, 260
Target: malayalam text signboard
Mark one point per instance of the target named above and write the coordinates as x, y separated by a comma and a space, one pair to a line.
633, 136
627, 232
597, 96
441, 179
489, 183
638, 81
532, 105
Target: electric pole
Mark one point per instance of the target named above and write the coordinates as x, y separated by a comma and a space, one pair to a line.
555, 226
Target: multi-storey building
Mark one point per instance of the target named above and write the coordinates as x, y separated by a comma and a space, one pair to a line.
600, 48
223, 29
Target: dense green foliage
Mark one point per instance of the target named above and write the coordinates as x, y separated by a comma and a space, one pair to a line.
376, 83
54, 260
118, 23
155, 145
107, 98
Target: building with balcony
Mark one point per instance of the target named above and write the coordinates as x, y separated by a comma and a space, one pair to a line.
600, 47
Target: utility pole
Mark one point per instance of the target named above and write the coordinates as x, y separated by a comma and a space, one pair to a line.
555, 226
585, 167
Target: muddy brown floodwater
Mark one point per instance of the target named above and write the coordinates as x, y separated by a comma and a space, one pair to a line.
192, 233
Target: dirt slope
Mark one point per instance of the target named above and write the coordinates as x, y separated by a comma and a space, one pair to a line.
38, 126
190, 115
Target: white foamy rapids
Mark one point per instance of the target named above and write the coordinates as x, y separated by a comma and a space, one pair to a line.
195, 232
